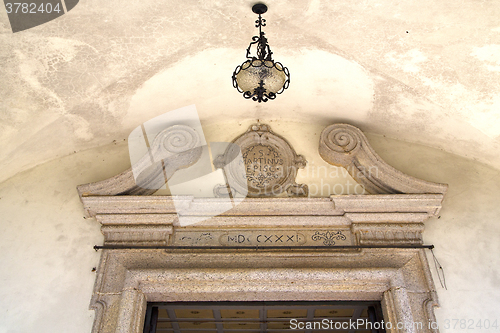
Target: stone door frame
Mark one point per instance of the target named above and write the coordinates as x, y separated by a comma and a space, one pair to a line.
398, 277
391, 216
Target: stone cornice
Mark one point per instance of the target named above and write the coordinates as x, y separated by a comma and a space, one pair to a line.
367, 219
337, 205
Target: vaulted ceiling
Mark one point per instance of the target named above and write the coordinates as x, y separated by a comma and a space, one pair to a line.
422, 71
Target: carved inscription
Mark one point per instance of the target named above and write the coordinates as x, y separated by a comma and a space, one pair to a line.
268, 237
328, 237
270, 163
264, 238
264, 166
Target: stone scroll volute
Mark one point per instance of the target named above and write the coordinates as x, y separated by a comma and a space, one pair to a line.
346, 146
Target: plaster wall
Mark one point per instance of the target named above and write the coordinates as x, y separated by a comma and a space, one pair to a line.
46, 244
424, 71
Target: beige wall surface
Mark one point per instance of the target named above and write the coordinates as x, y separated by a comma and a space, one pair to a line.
46, 254
424, 71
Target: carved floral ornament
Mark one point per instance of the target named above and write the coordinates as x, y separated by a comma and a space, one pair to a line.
328, 237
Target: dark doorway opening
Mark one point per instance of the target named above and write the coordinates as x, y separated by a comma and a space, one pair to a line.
259, 317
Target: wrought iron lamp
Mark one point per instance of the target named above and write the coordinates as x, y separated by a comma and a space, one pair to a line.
260, 77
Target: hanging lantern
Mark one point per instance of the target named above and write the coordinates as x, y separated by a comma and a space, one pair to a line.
260, 77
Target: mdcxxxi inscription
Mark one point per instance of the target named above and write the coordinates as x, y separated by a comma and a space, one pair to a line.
271, 164
265, 237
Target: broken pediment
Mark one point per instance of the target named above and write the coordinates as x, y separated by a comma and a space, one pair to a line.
260, 163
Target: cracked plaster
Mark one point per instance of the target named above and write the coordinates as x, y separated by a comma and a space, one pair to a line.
420, 71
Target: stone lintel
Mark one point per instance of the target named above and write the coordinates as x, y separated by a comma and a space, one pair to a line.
392, 216
362, 219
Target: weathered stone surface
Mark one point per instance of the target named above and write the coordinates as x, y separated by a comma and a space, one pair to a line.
262, 237
398, 277
152, 171
396, 69
346, 146
271, 164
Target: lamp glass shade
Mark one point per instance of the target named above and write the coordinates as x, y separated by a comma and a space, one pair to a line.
253, 71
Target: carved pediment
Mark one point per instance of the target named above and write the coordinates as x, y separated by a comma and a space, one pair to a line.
270, 165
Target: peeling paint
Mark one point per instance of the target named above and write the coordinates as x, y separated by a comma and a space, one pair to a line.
490, 54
